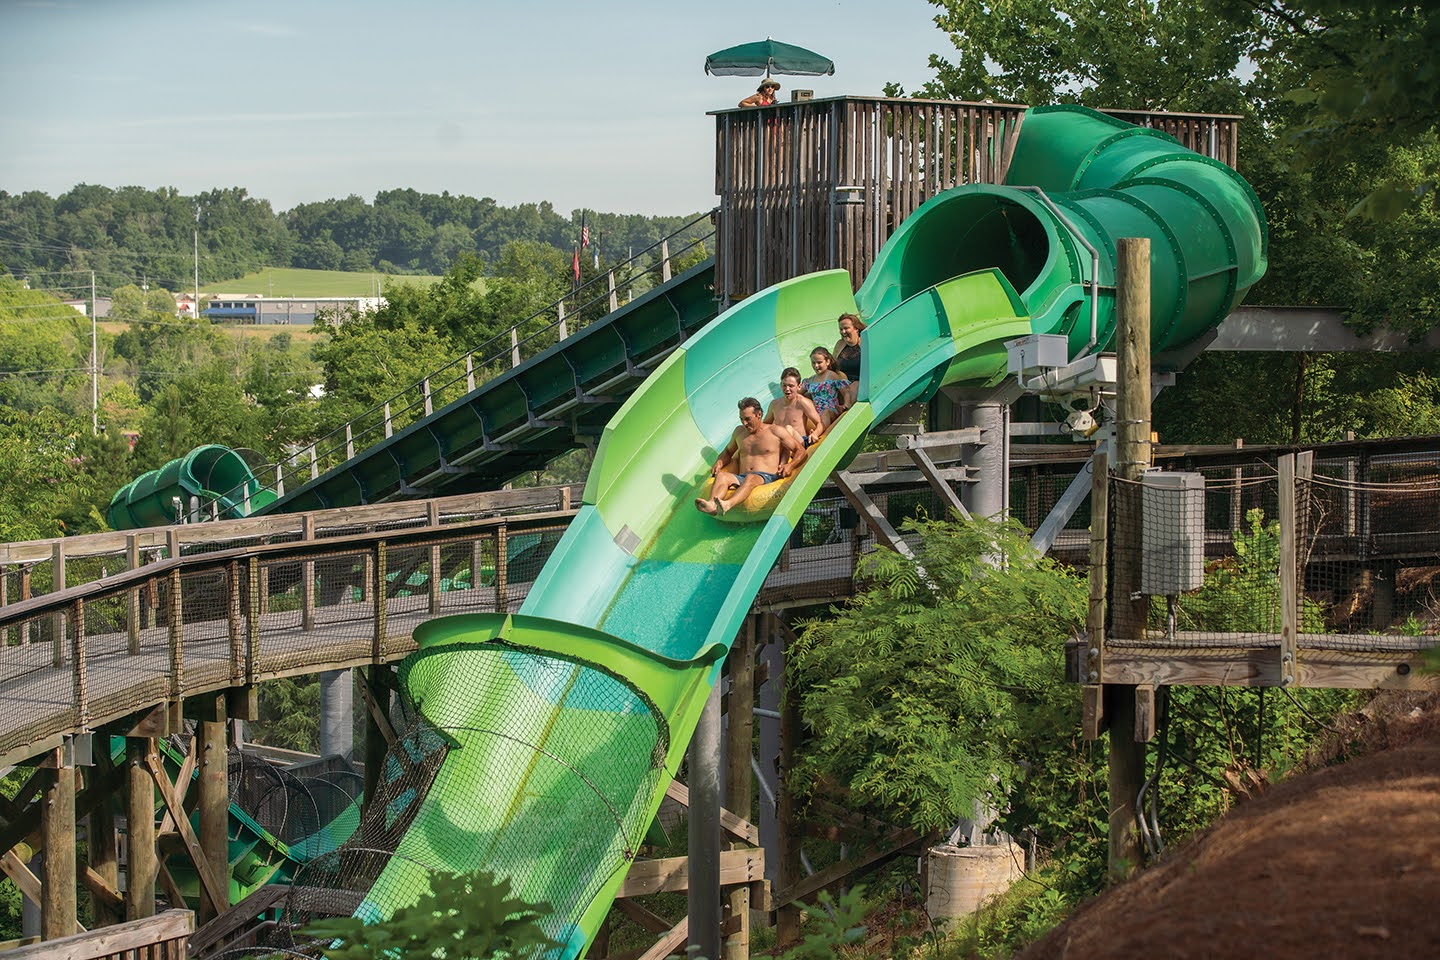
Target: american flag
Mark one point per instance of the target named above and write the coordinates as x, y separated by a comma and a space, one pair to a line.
584, 231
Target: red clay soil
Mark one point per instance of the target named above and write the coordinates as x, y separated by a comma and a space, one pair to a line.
1342, 861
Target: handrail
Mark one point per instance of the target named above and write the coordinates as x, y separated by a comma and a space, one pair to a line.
56, 601
381, 417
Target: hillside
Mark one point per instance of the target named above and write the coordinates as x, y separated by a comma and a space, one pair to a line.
1342, 861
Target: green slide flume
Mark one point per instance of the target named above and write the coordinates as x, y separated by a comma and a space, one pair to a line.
549, 736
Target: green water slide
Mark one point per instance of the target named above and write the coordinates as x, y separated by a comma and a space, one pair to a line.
549, 735
215, 474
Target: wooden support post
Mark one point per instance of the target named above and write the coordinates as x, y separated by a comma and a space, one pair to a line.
1289, 572
213, 761
1092, 659
514, 348
375, 688
235, 622
377, 592
175, 637
614, 303
432, 519
502, 568
79, 685
560, 307
1129, 608
104, 852
738, 777
141, 861
307, 575
57, 583
57, 828
132, 621
390, 424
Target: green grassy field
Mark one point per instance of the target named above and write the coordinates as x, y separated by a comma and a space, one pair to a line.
287, 282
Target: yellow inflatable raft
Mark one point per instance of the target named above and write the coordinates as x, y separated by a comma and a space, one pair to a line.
756, 507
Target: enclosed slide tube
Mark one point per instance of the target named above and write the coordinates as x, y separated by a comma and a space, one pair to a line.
548, 737
149, 499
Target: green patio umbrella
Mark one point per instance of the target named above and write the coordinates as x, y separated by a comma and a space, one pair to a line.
764, 57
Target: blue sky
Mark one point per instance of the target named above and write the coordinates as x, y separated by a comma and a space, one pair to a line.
599, 104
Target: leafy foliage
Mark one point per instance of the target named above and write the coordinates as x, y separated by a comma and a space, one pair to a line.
918, 692
834, 924
460, 916
1241, 594
113, 231
289, 714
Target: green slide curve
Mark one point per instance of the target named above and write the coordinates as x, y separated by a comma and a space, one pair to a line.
554, 731
216, 475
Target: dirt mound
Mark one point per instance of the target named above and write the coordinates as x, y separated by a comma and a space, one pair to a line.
1340, 861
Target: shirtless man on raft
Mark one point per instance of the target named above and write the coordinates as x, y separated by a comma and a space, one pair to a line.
757, 451
796, 413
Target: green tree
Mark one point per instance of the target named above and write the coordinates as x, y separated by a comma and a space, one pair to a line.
917, 692
461, 916
40, 476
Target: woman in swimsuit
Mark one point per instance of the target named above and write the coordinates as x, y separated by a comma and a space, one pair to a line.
847, 358
825, 386
764, 94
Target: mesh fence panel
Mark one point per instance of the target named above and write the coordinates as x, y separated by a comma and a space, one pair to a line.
547, 784
1366, 555
1369, 554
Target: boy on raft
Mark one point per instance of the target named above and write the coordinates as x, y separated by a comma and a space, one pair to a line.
793, 411
758, 453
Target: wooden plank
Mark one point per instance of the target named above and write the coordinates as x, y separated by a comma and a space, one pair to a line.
19, 873
117, 940
103, 892
215, 890
672, 874
835, 873
285, 525
942, 489
652, 922
871, 514
1144, 712
224, 927
670, 943
737, 827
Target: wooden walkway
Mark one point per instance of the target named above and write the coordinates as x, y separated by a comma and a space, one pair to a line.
228, 605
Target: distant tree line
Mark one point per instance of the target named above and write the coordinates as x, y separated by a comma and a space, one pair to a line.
134, 234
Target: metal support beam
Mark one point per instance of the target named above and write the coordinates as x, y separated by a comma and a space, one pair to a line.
1065, 507
704, 840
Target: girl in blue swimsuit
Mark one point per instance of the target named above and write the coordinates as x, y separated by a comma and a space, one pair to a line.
824, 387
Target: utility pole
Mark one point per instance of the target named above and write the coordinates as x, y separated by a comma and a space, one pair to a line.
197, 262
94, 365
1128, 607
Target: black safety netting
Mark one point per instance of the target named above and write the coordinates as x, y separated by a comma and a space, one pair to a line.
523, 764
1230, 558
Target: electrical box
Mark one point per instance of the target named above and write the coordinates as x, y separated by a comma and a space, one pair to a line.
1173, 539
1039, 351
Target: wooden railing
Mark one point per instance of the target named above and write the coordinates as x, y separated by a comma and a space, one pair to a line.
821, 184
165, 936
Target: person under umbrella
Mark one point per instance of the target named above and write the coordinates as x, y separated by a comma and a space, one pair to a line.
764, 94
